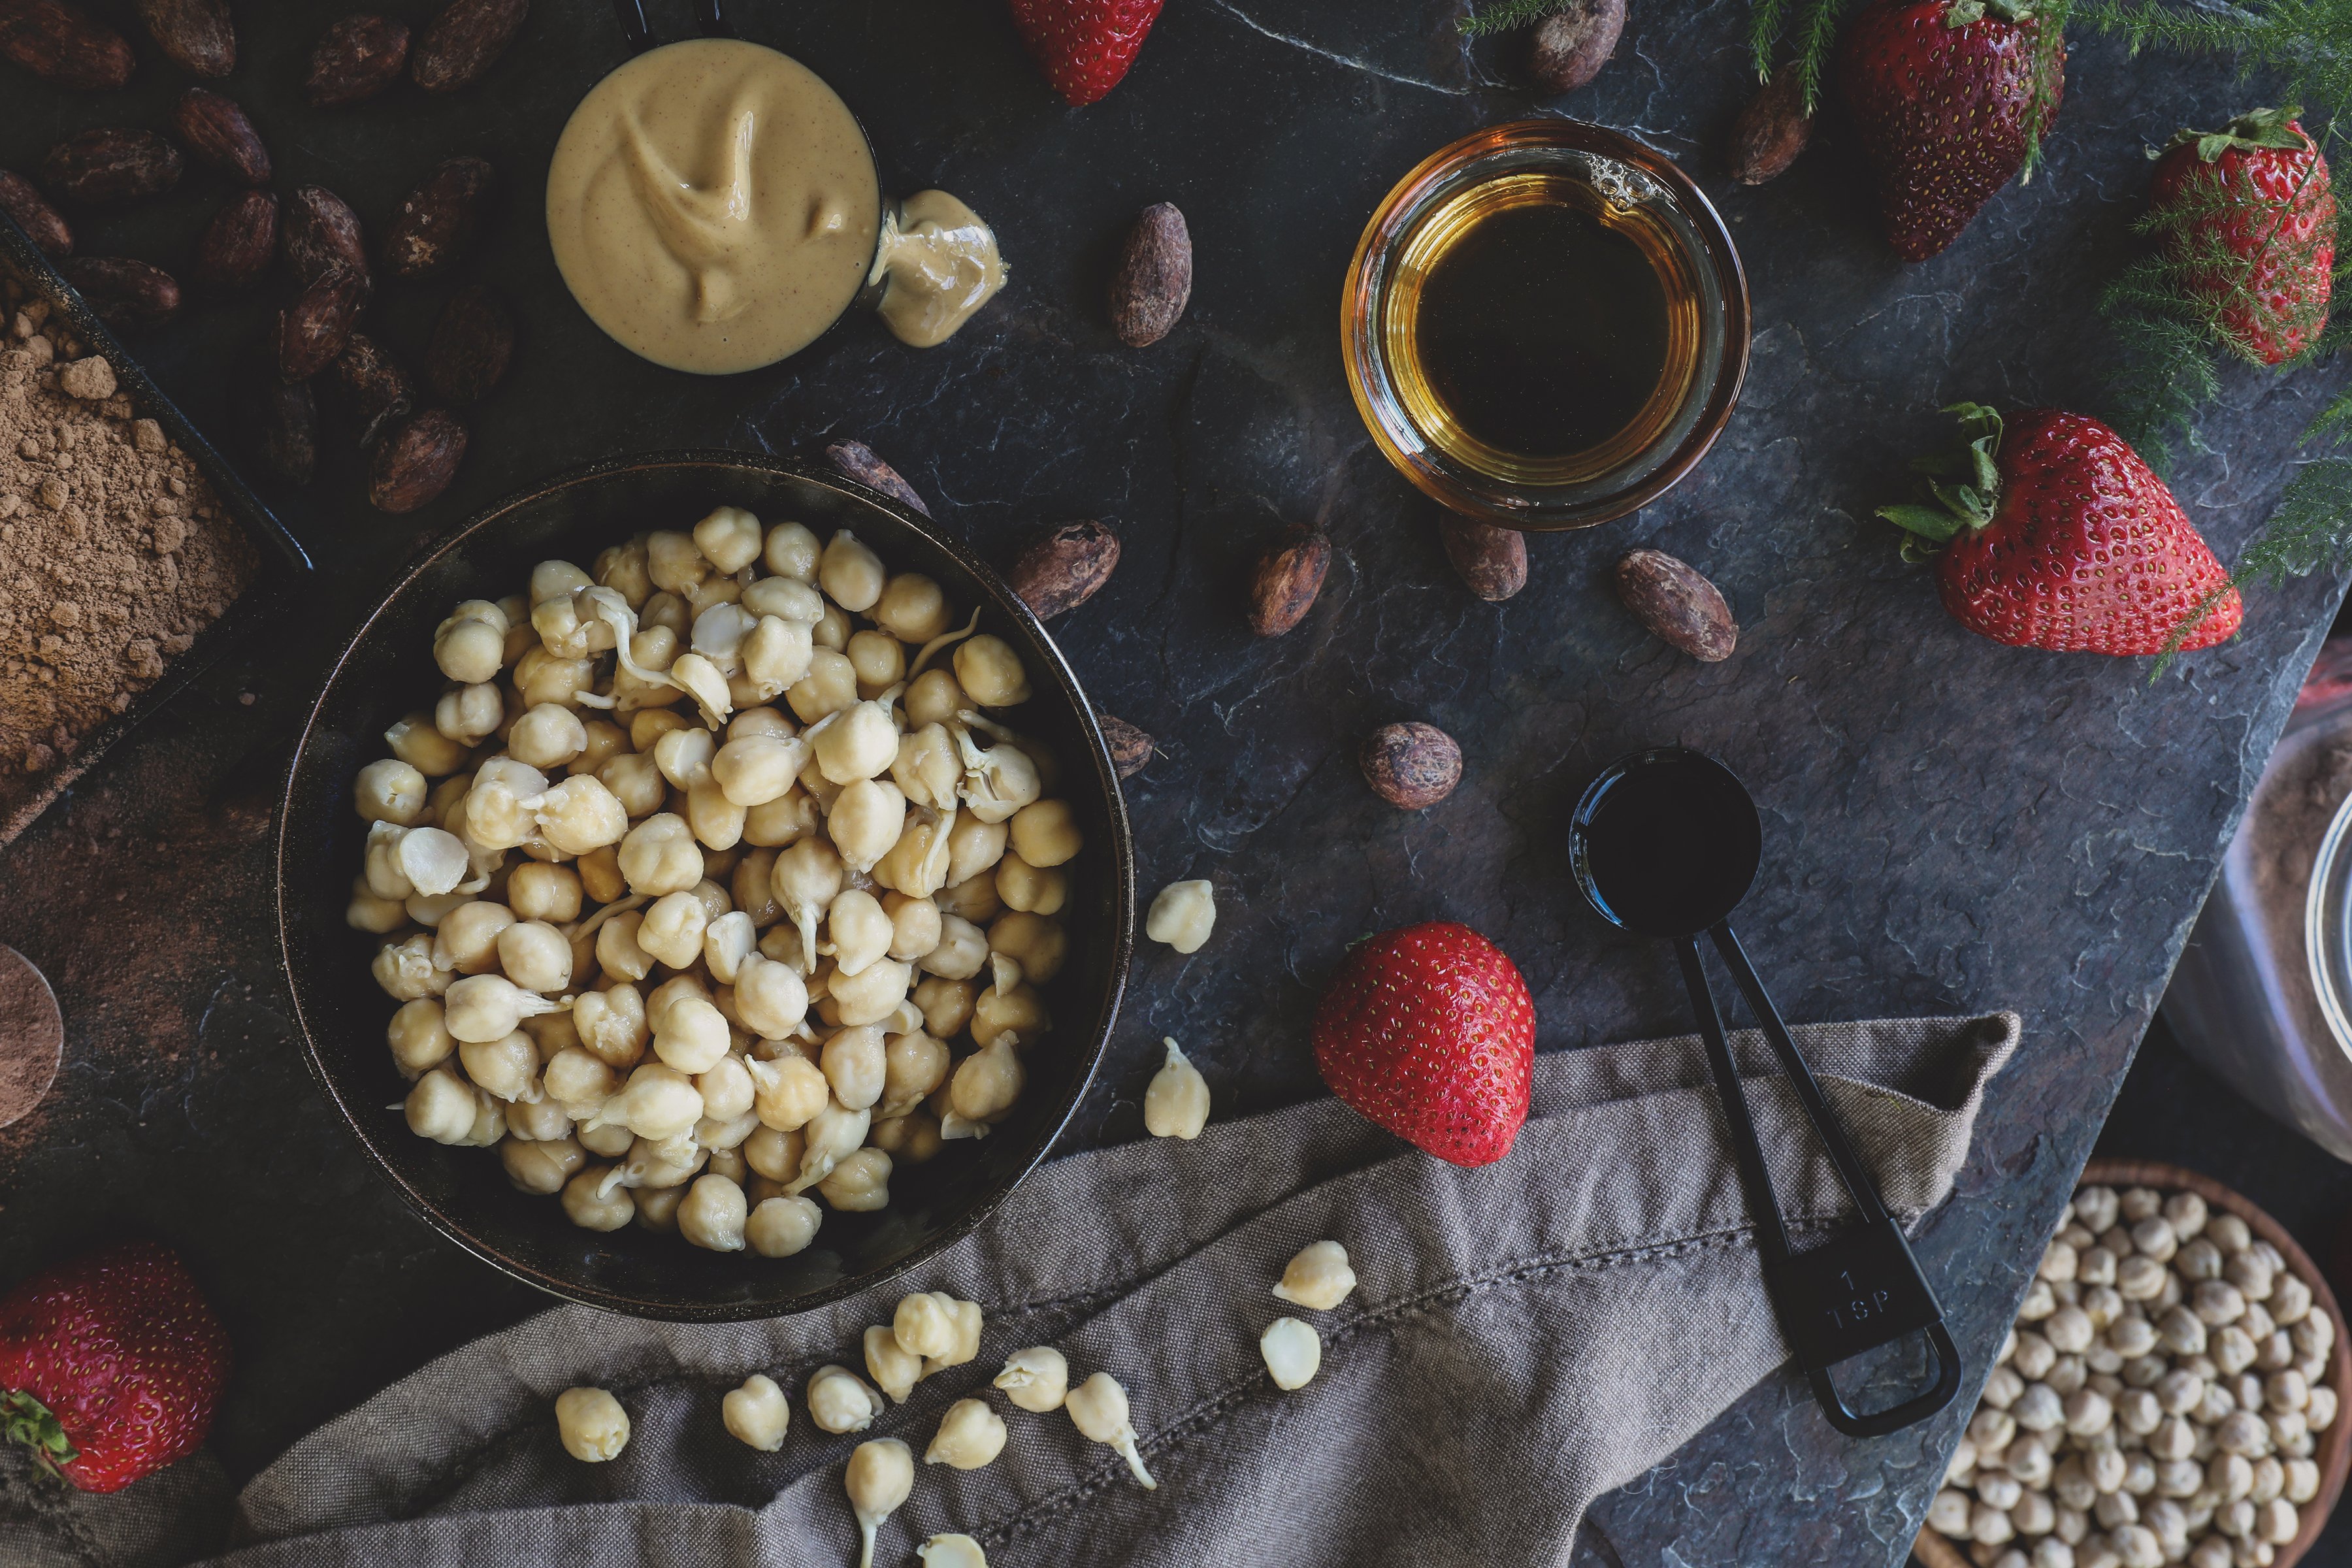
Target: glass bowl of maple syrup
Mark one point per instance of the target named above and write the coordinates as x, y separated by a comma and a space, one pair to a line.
1546, 325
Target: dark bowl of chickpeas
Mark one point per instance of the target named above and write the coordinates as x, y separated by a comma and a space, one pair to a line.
704, 888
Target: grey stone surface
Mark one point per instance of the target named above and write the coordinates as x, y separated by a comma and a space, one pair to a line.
1950, 824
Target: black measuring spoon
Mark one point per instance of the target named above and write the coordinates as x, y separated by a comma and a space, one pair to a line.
1666, 842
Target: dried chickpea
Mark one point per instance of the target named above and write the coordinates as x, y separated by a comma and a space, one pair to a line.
781, 1226
947, 1005
855, 1063
1293, 1353
769, 998
785, 820
590, 1424
1098, 1408
1017, 1015
690, 1035
543, 1120
860, 931
909, 1140
618, 952
547, 736
414, 740
840, 1401
1176, 1105
832, 628
791, 1092
989, 672
874, 994
952, 1552
672, 929
792, 551
728, 1098
443, 1108
420, 1041
915, 1065
865, 821
962, 951
969, 1436
505, 1069
988, 1082
915, 926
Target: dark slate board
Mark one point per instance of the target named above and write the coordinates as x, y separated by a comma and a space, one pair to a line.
1951, 826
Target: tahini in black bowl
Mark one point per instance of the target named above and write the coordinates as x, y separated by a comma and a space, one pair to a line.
387, 670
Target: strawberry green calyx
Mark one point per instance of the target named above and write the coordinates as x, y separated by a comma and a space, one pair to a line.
1966, 483
24, 1419
1960, 12
2259, 128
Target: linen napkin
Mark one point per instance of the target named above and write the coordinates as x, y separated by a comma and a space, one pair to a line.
1525, 1337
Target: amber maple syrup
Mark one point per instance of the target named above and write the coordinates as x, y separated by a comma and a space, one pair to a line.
1541, 330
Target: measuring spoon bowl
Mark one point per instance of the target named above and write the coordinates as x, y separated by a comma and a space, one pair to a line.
1666, 842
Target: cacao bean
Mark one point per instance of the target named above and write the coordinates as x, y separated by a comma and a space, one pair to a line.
313, 330
857, 459
416, 461
441, 219
127, 295
319, 234
1131, 748
42, 223
234, 248
1678, 603
1287, 581
1492, 561
1063, 569
375, 391
1153, 280
194, 35
465, 40
1571, 46
64, 45
220, 134
1770, 131
112, 163
276, 421
356, 59
472, 343
1411, 765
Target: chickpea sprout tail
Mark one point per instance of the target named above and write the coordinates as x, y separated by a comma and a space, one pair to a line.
714, 881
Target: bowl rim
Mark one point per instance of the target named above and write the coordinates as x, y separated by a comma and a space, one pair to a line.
1122, 870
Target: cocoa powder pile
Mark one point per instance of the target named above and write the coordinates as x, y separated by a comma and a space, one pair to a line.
115, 552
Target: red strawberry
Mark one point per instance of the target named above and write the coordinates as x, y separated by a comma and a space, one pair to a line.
1084, 47
1428, 1030
1950, 96
111, 1365
2059, 537
2249, 213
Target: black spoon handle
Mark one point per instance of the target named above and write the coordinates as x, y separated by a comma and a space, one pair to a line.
1747, 1153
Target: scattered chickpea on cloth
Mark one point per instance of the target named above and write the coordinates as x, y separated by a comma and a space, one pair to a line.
694, 872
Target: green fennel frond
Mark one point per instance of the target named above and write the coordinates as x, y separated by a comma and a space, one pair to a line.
2305, 44
1505, 14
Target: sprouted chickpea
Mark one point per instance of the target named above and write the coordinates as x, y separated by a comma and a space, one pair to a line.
840, 1401
781, 936
1098, 1407
1176, 1105
591, 1425
757, 1414
969, 1436
1037, 1378
880, 1475
1319, 1278
893, 1368
1293, 1353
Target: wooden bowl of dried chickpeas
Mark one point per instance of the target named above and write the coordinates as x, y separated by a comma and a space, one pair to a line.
2191, 1472
510, 1032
